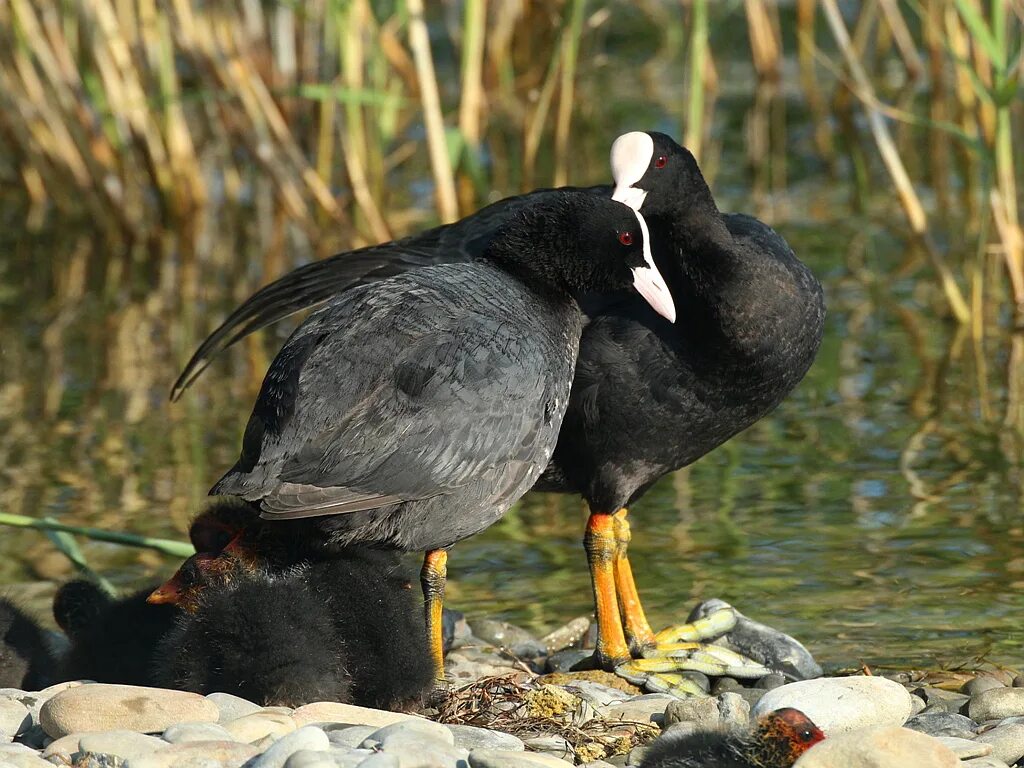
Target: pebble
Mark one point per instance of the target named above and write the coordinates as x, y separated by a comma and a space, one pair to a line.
405, 732
734, 709
947, 701
981, 684
63, 748
102, 707
966, 748
347, 735
259, 725
123, 744
648, 708
996, 704
23, 760
334, 712
470, 737
380, 760
567, 660
225, 754
232, 707
181, 733
984, 762
516, 640
556, 746
702, 711
497, 758
776, 650
839, 705
310, 758
1007, 742
14, 717
943, 724
879, 747
1018, 681
569, 634
774, 680
308, 737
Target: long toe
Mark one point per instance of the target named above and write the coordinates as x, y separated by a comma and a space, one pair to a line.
712, 626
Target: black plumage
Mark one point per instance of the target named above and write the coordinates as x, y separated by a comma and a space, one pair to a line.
113, 640
26, 659
417, 409
349, 628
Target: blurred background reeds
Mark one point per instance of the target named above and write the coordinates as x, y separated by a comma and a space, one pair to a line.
162, 159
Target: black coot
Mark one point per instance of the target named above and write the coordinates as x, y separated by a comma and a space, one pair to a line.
750, 322
348, 629
26, 659
113, 640
414, 411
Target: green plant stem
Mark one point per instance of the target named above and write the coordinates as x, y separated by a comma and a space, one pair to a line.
698, 57
164, 546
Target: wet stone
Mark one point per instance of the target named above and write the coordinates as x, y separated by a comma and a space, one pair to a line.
1007, 742
470, 737
943, 724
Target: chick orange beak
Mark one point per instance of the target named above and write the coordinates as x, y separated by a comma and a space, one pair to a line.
168, 593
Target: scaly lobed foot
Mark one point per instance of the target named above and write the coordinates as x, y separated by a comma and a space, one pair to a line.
678, 649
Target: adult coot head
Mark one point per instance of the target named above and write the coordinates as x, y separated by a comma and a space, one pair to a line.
582, 243
654, 174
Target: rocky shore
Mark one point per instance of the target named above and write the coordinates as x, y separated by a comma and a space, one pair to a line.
516, 704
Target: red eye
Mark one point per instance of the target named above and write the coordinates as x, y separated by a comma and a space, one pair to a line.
626, 238
661, 161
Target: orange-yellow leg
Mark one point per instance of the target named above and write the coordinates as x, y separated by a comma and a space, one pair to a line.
601, 546
638, 630
432, 579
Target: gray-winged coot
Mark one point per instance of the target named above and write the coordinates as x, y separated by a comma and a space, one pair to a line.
414, 411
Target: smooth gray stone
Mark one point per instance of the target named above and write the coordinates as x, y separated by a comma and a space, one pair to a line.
597, 764
776, 650
308, 737
495, 758
232, 707
937, 699
648, 708
310, 758
917, 705
569, 660
24, 760
470, 737
942, 723
426, 754
183, 732
380, 760
1007, 742
348, 758
515, 639
981, 684
1018, 682
348, 735
408, 730
996, 704
984, 762
965, 748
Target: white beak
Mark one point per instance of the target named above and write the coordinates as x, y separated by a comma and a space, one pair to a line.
648, 280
